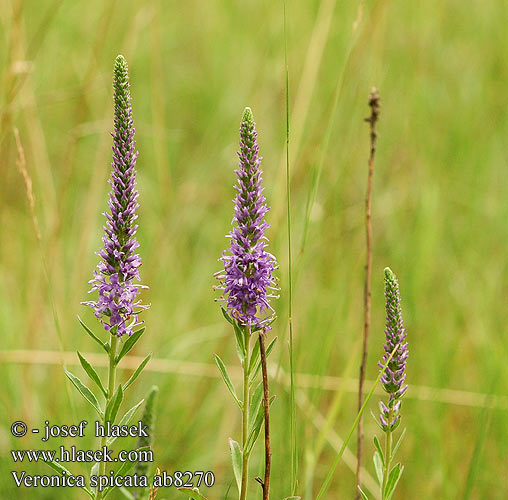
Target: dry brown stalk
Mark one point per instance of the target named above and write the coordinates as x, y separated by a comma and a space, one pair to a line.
372, 119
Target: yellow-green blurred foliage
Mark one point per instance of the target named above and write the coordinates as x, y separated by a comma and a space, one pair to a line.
440, 219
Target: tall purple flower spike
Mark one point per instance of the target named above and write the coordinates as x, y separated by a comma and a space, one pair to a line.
247, 278
394, 377
116, 306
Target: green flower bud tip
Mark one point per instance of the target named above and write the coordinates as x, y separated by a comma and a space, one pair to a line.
120, 62
247, 115
389, 274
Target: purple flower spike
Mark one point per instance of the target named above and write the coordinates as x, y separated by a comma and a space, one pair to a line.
116, 306
247, 278
394, 377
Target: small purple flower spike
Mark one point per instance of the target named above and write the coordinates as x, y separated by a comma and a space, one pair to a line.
116, 306
394, 377
247, 278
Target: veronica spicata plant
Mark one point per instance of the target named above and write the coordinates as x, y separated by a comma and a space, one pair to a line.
248, 284
116, 278
394, 384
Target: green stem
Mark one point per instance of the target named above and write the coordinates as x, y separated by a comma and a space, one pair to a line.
245, 418
388, 453
111, 392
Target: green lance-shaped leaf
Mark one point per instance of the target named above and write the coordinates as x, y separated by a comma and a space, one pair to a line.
65, 472
129, 344
229, 319
147, 419
114, 405
104, 345
236, 459
377, 444
255, 404
192, 493
376, 420
378, 465
85, 392
257, 369
125, 420
396, 447
90, 371
227, 380
393, 479
124, 470
255, 361
254, 358
94, 471
135, 375
240, 333
256, 428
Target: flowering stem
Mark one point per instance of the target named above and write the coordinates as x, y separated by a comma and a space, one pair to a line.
111, 392
245, 418
247, 278
388, 453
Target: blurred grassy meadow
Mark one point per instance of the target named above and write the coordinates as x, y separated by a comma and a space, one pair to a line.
440, 207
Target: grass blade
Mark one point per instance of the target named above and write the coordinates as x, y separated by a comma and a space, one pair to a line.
329, 476
292, 419
483, 426
363, 495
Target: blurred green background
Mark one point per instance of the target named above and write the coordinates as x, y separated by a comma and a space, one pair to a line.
440, 208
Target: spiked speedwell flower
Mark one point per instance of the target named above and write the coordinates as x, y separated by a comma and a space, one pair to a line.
116, 306
395, 374
247, 278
